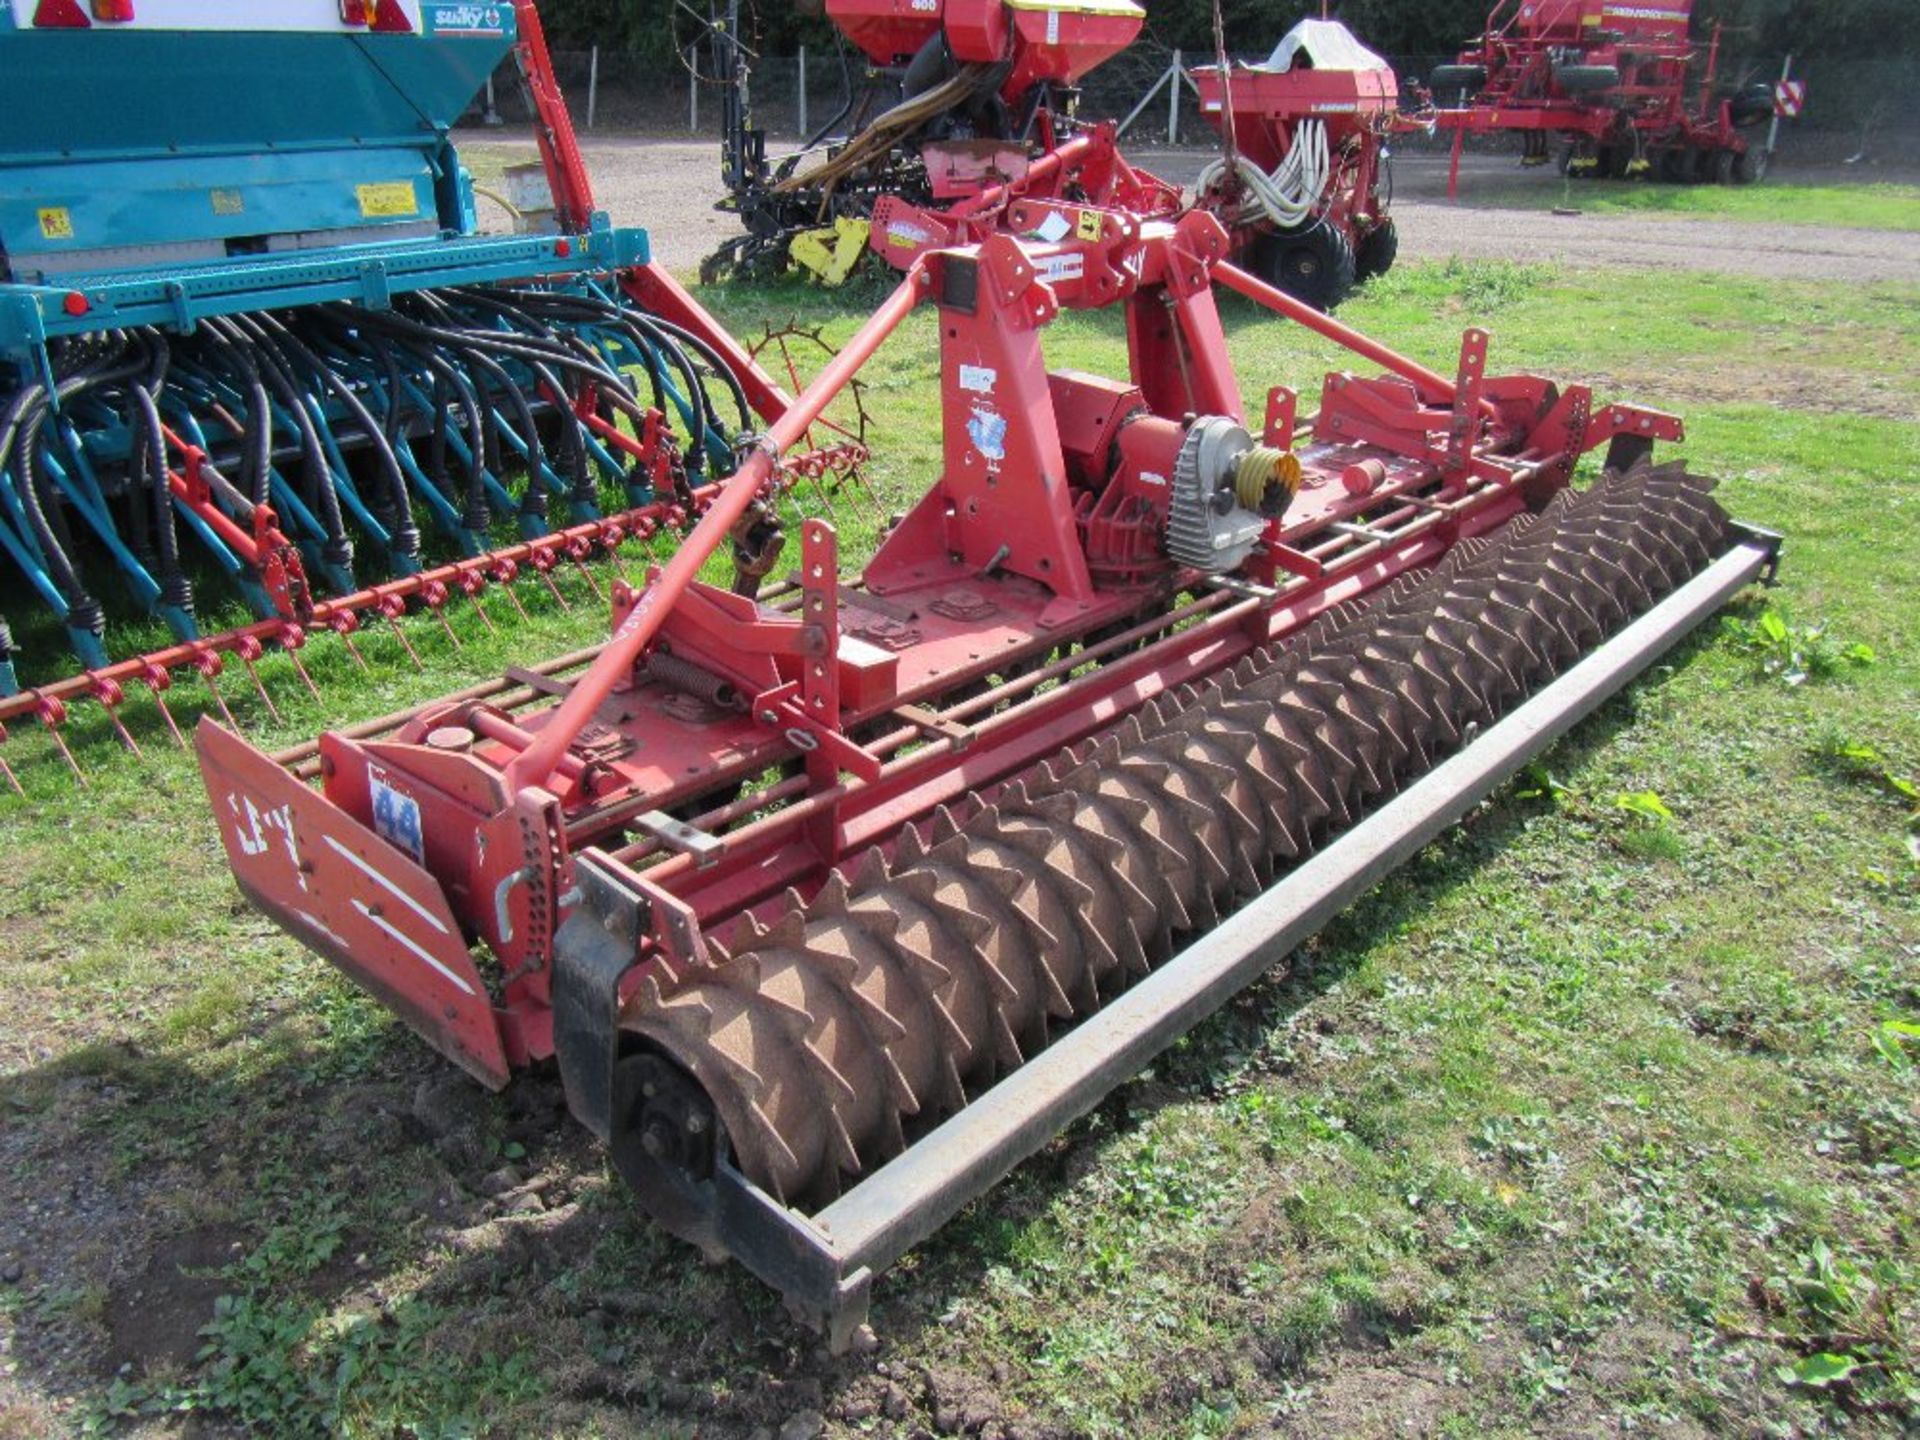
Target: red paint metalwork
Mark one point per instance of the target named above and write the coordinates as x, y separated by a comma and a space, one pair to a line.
1088, 167
980, 639
1529, 54
1262, 111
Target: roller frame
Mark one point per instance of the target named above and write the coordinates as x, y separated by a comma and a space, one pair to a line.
824, 1263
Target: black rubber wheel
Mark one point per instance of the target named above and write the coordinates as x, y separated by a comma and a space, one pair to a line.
1314, 264
1448, 78
1752, 106
1377, 250
1586, 79
1749, 166
1673, 167
1721, 162
1701, 172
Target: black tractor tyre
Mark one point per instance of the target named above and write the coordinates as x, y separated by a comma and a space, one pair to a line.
1376, 252
1586, 79
1314, 264
1467, 79
1750, 165
1674, 166
1721, 162
1703, 163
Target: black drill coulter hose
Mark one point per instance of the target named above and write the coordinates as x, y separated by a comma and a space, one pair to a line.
405, 533
316, 479
489, 356
257, 451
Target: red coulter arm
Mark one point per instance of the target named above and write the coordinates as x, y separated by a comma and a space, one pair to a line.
559, 150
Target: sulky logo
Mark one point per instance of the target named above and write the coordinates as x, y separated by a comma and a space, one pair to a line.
473, 19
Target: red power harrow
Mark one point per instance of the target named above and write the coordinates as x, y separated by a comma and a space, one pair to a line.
807, 895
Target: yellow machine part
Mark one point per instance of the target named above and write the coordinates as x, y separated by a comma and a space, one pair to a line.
830, 254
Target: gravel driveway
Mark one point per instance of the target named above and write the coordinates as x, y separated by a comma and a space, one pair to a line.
670, 187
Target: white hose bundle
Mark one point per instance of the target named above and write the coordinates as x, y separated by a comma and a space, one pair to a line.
1288, 196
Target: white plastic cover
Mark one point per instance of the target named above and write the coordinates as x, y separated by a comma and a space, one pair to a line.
1328, 44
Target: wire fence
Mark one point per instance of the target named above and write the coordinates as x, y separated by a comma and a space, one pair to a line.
1851, 103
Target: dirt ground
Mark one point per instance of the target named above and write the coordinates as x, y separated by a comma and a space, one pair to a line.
670, 187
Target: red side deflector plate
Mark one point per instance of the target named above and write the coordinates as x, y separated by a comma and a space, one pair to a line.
347, 894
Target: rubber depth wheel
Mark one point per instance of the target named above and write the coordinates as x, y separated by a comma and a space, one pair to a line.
1377, 250
1586, 79
1315, 264
1465, 78
1721, 164
1674, 165
1749, 166
1701, 171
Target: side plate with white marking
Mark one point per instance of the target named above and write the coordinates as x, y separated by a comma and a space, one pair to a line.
299, 857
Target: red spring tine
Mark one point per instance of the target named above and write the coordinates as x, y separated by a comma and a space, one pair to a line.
343, 623
435, 595
471, 583
111, 698
210, 665
505, 572
392, 607
7, 770
292, 637
249, 650
578, 549
158, 681
53, 714
611, 537
543, 560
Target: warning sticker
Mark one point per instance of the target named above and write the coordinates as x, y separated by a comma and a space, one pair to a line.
987, 429
396, 816
1055, 268
56, 224
1090, 225
388, 199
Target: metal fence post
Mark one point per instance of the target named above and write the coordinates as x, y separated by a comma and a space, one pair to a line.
593, 85
1773, 127
1173, 101
693, 87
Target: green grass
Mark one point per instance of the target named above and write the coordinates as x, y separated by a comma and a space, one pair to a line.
1853, 207
1597, 1114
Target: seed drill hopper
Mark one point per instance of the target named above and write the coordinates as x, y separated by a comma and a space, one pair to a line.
1305, 180
967, 106
833, 904
256, 351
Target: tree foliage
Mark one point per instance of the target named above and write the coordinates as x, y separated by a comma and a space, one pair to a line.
1813, 28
